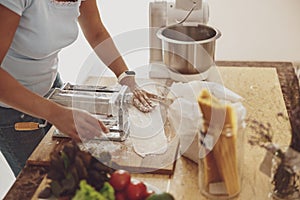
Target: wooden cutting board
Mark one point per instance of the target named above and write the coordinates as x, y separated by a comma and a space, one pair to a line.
122, 153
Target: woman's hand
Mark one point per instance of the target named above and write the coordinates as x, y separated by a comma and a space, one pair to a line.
78, 124
141, 99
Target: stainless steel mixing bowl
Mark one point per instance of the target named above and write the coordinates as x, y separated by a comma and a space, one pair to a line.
188, 49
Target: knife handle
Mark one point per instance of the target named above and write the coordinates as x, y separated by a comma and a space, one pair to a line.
26, 126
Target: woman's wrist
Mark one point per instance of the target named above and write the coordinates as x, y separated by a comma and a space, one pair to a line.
53, 112
124, 75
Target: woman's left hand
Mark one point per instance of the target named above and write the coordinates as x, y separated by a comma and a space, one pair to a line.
141, 99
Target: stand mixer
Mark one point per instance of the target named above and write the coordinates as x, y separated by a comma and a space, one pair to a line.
188, 13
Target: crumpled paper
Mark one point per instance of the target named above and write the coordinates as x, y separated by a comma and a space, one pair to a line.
185, 115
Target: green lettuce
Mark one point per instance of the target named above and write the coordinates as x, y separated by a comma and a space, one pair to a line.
108, 191
87, 192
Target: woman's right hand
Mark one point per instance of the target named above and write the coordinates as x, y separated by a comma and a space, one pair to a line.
78, 124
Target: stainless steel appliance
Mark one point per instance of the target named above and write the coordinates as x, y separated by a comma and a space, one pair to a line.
182, 46
109, 104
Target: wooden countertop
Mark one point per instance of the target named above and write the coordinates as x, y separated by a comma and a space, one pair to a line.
266, 88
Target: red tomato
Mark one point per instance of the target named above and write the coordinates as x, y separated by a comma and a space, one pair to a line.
120, 196
120, 179
136, 191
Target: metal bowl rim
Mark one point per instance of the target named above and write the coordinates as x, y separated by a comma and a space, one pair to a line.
166, 39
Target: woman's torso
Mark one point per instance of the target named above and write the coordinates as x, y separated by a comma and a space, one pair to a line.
46, 26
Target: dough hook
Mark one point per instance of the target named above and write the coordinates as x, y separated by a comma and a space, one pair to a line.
187, 16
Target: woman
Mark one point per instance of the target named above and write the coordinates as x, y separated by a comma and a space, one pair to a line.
32, 32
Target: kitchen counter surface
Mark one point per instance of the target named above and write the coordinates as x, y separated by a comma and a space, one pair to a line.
266, 88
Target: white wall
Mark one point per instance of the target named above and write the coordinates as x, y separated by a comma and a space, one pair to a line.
260, 30
266, 30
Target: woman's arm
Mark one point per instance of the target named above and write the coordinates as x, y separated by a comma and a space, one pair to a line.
99, 38
102, 43
17, 96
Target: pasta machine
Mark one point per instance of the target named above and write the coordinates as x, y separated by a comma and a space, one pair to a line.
107, 103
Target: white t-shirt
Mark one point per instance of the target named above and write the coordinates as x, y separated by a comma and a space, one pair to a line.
46, 26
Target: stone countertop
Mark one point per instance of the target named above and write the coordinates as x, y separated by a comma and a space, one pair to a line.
31, 176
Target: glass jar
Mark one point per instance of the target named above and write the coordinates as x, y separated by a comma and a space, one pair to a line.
285, 176
220, 162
